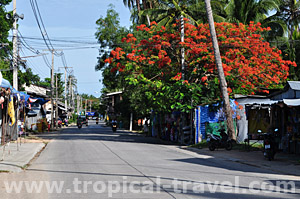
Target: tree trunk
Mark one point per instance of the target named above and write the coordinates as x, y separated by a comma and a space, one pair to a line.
138, 5
183, 120
223, 84
145, 7
148, 20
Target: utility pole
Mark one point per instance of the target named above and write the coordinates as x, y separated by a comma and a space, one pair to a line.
90, 106
72, 97
70, 85
52, 93
81, 103
78, 104
56, 101
85, 106
15, 17
66, 103
15, 46
52, 86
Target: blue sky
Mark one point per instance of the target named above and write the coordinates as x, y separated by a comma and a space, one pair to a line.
73, 20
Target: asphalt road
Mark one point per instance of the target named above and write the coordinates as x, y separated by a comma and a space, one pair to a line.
94, 162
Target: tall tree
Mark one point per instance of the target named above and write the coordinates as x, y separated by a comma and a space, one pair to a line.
109, 34
241, 11
289, 12
166, 12
223, 83
153, 66
169, 11
5, 45
137, 7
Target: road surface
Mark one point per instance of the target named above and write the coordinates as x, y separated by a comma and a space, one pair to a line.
94, 162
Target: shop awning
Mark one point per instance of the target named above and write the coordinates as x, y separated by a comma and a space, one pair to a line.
62, 108
292, 102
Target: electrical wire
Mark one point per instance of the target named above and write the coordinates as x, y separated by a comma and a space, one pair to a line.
30, 48
40, 23
65, 41
37, 69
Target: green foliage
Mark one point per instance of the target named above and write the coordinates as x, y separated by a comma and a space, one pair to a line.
27, 78
5, 26
240, 11
24, 77
109, 34
146, 89
46, 83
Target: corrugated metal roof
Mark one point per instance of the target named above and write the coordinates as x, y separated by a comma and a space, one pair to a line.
248, 100
295, 85
292, 102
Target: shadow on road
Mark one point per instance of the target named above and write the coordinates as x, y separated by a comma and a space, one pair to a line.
100, 133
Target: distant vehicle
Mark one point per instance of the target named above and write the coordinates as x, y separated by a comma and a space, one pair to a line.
94, 118
82, 119
114, 125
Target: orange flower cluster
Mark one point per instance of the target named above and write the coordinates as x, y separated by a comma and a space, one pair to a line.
249, 62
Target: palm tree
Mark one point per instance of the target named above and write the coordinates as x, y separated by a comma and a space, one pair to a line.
241, 11
167, 12
131, 3
289, 11
223, 83
146, 4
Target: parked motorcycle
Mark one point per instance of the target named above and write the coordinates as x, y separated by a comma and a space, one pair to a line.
269, 149
65, 122
222, 141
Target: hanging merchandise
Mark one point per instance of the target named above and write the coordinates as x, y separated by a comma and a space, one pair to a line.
31, 100
1, 100
11, 110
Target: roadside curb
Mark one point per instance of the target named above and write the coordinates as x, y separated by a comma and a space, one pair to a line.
17, 161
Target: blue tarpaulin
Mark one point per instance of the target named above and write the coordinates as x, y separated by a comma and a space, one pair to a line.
90, 113
210, 114
5, 83
41, 101
23, 96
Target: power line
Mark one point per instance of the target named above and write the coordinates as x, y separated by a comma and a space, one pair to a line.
64, 41
37, 69
39, 20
